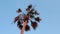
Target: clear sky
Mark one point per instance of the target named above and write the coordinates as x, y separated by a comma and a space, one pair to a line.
49, 12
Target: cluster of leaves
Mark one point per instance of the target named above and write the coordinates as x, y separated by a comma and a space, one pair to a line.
31, 13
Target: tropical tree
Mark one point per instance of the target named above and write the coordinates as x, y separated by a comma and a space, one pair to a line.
23, 19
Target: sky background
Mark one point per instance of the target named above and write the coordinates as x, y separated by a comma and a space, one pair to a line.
49, 12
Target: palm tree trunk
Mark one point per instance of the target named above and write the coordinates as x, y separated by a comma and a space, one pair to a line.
22, 31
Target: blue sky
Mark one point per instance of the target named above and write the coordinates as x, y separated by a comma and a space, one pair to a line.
49, 12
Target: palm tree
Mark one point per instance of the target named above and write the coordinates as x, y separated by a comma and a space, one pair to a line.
23, 19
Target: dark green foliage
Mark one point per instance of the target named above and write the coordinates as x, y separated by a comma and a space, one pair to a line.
19, 10
36, 13
34, 25
19, 23
27, 28
37, 19
32, 12
20, 27
16, 18
32, 16
29, 7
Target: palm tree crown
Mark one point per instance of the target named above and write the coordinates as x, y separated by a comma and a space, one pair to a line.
31, 13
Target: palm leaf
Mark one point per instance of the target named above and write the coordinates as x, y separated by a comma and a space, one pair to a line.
29, 7
19, 10
34, 25
37, 19
27, 28
32, 11
36, 12
20, 27
16, 18
32, 16
19, 23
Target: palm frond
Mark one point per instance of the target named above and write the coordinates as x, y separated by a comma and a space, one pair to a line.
19, 23
34, 25
16, 18
19, 10
29, 7
27, 28
32, 11
20, 27
32, 16
36, 12
37, 19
